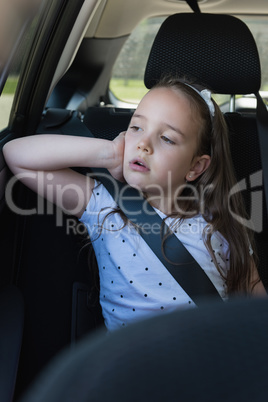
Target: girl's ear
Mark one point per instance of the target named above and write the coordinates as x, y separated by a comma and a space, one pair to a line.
200, 165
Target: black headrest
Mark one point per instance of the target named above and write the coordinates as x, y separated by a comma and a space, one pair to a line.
217, 50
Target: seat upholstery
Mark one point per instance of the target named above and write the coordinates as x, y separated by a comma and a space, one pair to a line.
218, 50
214, 353
107, 122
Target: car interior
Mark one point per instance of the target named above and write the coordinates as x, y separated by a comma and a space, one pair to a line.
48, 295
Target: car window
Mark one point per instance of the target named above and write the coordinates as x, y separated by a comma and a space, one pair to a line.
259, 29
9, 89
128, 72
127, 85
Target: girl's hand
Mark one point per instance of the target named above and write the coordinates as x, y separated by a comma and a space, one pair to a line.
119, 146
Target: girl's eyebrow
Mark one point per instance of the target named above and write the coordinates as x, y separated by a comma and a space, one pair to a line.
176, 129
138, 115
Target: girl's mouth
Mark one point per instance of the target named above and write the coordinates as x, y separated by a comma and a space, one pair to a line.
138, 165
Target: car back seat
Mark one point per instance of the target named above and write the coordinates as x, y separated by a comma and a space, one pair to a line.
107, 122
221, 54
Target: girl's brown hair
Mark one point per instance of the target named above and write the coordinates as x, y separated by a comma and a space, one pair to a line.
217, 206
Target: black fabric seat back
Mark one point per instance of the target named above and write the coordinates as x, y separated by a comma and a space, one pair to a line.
247, 163
107, 122
220, 52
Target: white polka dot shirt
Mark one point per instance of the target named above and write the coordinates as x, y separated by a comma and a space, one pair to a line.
134, 284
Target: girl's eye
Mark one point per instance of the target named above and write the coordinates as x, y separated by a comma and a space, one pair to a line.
167, 140
135, 128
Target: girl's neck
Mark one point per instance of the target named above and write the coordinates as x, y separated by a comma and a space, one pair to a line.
163, 204
167, 207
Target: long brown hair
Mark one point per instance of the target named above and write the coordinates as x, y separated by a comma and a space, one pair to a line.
218, 207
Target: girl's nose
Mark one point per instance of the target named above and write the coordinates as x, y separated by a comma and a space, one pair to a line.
145, 145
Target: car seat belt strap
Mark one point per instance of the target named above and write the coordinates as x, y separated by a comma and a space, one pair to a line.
173, 255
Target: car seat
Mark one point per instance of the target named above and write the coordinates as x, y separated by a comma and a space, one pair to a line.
220, 52
215, 353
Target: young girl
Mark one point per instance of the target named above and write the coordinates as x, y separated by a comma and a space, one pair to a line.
176, 152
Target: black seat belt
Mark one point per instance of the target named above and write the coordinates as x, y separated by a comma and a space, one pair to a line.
194, 5
176, 258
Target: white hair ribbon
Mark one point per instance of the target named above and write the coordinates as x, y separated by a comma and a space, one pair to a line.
206, 95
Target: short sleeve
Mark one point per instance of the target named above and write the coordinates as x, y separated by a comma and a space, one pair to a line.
100, 204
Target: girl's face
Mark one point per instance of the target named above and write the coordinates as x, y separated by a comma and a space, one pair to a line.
160, 147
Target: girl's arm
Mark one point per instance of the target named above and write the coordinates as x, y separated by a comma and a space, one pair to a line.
42, 163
